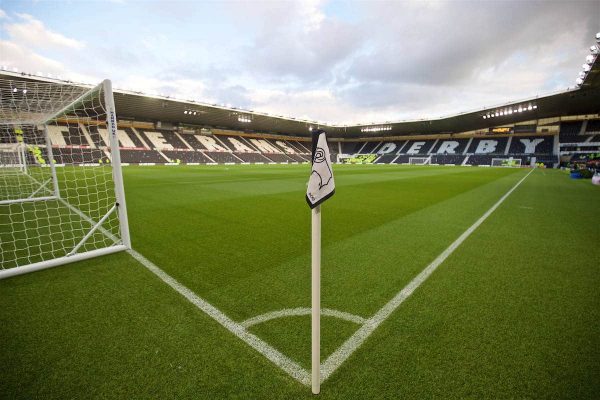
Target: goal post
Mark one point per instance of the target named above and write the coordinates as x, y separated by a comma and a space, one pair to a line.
418, 160
505, 162
59, 202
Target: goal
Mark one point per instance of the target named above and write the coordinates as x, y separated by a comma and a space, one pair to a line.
418, 160
61, 188
506, 162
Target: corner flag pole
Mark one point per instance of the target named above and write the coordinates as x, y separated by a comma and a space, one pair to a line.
316, 299
321, 186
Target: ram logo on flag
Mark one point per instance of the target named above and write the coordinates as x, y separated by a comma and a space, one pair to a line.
321, 185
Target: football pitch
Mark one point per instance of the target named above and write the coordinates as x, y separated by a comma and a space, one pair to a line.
449, 282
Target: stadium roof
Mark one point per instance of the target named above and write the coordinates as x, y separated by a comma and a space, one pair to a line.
585, 99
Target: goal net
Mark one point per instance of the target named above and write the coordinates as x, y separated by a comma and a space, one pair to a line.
418, 160
59, 202
506, 162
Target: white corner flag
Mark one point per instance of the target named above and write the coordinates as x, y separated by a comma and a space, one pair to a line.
321, 186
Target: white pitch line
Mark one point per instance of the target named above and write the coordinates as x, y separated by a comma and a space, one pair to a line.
272, 354
336, 359
301, 311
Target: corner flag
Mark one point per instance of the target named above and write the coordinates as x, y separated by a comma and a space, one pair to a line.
321, 186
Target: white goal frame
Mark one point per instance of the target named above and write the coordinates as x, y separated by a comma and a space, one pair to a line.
508, 162
418, 160
51, 187
42, 187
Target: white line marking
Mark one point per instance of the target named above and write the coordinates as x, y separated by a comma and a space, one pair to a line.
336, 359
272, 354
300, 311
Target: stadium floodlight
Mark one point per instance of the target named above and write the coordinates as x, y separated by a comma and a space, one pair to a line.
579, 81
59, 203
582, 74
598, 37
534, 106
520, 109
484, 117
185, 112
589, 59
586, 67
530, 108
595, 49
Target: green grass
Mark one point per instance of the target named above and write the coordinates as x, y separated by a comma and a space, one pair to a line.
513, 313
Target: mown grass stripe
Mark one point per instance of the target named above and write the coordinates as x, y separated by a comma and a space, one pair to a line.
337, 358
272, 354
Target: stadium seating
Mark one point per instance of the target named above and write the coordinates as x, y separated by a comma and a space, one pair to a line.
279, 158
385, 159
223, 157
131, 156
159, 146
352, 147
447, 159
70, 155
593, 127
253, 157
188, 156
539, 145
569, 132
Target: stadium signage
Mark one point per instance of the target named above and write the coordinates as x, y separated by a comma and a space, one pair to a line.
501, 129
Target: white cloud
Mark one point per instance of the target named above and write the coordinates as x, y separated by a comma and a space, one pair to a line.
183, 89
11, 54
25, 60
327, 61
32, 32
3, 14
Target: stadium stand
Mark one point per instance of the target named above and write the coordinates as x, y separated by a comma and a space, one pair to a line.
223, 157
352, 147
531, 145
447, 159
279, 158
385, 159
452, 146
78, 155
418, 148
158, 146
369, 147
253, 157
189, 156
136, 156
593, 127
495, 146
570, 132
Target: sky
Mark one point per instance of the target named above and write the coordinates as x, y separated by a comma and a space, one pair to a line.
328, 61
